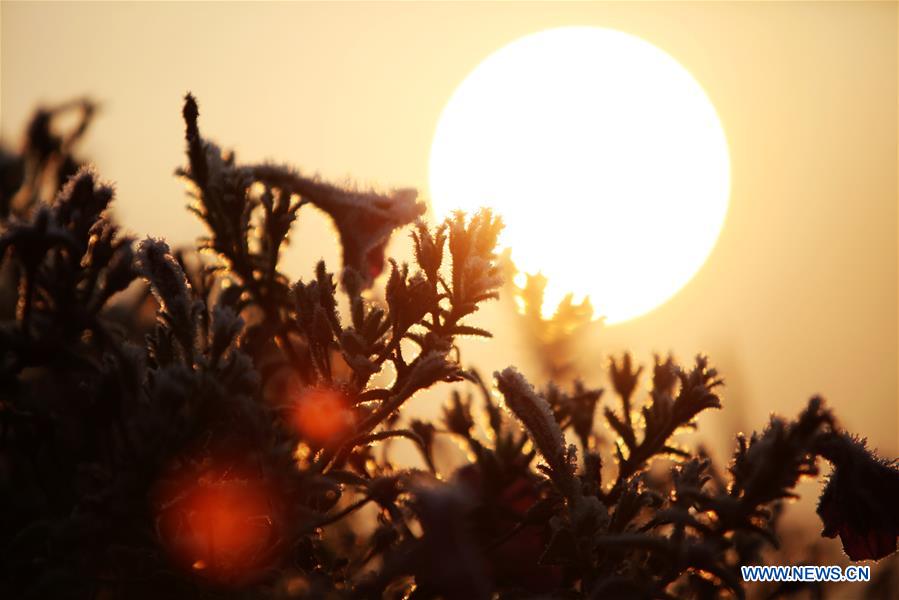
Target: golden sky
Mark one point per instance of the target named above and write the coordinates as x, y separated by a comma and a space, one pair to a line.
798, 297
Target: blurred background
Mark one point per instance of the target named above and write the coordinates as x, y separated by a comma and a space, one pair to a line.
800, 294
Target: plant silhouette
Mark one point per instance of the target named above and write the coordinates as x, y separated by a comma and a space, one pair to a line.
195, 424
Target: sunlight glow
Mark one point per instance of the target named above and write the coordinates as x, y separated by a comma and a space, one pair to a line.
605, 158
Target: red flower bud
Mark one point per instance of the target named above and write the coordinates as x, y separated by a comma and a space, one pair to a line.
860, 501
514, 562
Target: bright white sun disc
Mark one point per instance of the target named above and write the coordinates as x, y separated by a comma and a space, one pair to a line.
604, 156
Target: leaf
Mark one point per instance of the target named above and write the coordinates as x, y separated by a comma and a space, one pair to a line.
626, 433
468, 330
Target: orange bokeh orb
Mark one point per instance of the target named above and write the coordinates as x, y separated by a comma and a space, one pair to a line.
321, 415
222, 526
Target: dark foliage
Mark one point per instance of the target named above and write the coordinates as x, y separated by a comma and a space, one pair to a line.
228, 448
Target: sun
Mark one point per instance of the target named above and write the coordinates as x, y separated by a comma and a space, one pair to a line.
604, 156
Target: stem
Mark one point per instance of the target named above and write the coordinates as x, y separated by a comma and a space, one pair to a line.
27, 297
331, 519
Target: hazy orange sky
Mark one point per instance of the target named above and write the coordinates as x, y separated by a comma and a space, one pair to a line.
798, 297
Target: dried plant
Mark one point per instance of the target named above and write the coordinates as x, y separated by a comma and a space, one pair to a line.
227, 448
